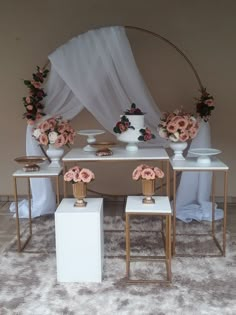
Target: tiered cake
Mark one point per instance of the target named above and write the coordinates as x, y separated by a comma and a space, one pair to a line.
131, 129
131, 135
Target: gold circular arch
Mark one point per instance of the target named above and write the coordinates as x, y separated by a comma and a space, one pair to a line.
173, 46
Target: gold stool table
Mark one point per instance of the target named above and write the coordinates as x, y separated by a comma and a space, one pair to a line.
191, 164
43, 172
161, 207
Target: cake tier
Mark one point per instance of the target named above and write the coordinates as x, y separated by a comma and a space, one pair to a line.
131, 135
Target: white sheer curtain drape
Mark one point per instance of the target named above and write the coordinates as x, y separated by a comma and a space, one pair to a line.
95, 70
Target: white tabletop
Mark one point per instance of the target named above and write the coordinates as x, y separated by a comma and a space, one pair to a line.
44, 171
192, 164
119, 154
135, 205
67, 206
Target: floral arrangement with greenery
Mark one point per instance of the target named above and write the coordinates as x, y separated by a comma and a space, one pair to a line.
122, 125
178, 126
146, 135
54, 131
33, 102
77, 174
147, 172
205, 105
133, 110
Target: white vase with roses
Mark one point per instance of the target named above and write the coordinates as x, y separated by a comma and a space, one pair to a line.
178, 127
54, 133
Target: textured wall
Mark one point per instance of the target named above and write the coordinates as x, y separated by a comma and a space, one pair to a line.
204, 30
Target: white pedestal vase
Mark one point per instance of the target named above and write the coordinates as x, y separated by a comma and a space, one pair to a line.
55, 155
178, 148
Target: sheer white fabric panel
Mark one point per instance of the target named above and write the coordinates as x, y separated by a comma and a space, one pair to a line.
101, 71
194, 190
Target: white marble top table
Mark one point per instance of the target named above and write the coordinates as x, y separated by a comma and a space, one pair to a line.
44, 171
135, 205
191, 163
119, 154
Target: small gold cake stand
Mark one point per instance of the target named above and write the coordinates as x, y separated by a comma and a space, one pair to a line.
30, 162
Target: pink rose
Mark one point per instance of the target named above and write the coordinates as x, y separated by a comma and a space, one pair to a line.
136, 174
172, 127
122, 127
209, 102
86, 175
44, 126
43, 139
148, 173
193, 132
158, 172
60, 141
183, 136
71, 138
37, 85
68, 176
147, 137
62, 127
182, 123
52, 123
28, 99
76, 177
29, 107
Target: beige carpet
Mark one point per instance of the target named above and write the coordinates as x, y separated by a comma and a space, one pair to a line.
200, 286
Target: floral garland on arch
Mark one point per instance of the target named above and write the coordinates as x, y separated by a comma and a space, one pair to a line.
205, 105
33, 102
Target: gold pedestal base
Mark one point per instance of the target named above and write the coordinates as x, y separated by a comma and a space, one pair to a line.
80, 203
148, 200
31, 168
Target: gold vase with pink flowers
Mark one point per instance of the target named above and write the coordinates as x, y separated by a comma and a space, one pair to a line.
148, 175
79, 177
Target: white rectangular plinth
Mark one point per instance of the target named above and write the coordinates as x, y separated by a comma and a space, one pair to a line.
79, 241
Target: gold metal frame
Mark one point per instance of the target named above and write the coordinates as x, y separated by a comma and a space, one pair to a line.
222, 248
20, 246
167, 245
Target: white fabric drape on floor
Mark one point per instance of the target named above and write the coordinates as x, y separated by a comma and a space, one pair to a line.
95, 70
194, 190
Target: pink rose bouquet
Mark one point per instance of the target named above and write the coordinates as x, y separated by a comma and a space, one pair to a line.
54, 131
144, 171
77, 174
178, 126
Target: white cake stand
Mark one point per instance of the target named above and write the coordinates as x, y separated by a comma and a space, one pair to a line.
90, 133
204, 154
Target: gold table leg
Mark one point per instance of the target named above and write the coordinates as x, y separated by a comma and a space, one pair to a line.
127, 229
20, 246
166, 258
